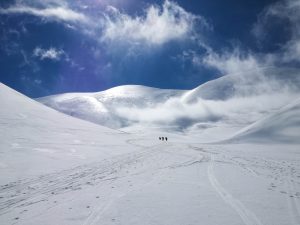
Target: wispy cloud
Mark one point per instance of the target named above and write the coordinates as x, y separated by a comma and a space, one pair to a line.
51, 53
288, 12
160, 24
57, 13
237, 60
230, 62
157, 26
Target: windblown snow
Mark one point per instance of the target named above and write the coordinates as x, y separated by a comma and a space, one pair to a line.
212, 111
58, 169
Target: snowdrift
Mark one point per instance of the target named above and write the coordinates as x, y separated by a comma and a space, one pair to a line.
282, 126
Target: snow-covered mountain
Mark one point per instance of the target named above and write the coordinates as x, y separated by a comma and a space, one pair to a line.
57, 169
223, 105
281, 126
250, 83
35, 138
102, 107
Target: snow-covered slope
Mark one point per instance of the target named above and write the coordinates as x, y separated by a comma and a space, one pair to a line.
250, 83
35, 138
281, 126
102, 107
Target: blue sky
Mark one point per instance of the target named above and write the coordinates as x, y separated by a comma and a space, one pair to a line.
56, 46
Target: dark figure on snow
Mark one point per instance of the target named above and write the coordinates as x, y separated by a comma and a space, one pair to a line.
159, 138
162, 138
166, 138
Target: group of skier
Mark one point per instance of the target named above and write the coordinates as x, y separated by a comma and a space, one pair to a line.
163, 138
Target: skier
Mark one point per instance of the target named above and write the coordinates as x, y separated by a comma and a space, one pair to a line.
159, 138
163, 138
166, 138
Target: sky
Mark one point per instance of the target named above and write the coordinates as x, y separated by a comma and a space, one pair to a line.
56, 46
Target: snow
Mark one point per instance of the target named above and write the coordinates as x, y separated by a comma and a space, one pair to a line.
250, 83
213, 111
37, 139
281, 126
102, 107
57, 169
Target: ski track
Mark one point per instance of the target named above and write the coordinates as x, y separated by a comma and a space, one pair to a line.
246, 215
158, 159
283, 176
26, 192
96, 215
293, 202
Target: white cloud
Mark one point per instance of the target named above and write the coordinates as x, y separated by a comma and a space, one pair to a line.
58, 13
182, 115
173, 111
230, 62
158, 26
51, 53
286, 12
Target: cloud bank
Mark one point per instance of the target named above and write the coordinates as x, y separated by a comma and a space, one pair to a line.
181, 115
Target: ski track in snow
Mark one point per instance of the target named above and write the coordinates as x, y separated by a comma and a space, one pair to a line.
293, 202
154, 160
248, 217
96, 214
23, 193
